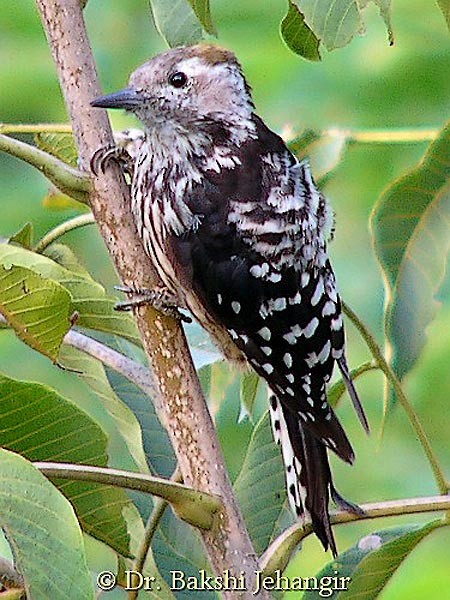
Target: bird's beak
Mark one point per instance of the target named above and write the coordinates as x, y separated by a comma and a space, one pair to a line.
127, 99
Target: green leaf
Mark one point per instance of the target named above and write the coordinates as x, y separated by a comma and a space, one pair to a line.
411, 231
43, 533
203, 12
324, 151
64, 256
96, 310
57, 201
161, 590
333, 22
297, 35
385, 8
41, 425
423, 271
178, 547
176, 22
59, 145
24, 237
92, 372
156, 443
371, 563
260, 486
37, 308
444, 5
249, 389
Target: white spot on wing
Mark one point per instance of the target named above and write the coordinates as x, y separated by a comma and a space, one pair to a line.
337, 324
325, 352
274, 277
288, 360
329, 308
311, 327
297, 299
236, 307
265, 333
290, 338
318, 292
304, 280
259, 270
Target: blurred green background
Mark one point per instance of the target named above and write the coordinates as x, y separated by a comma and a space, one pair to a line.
365, 85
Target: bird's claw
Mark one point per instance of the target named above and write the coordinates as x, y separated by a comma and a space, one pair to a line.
160, 298
104, 155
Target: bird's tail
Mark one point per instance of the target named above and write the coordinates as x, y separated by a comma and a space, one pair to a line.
308, 475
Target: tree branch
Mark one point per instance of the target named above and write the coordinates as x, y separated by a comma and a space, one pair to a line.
280, 551
182, 407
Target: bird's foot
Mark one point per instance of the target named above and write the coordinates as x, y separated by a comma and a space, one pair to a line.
160, 298
104, 155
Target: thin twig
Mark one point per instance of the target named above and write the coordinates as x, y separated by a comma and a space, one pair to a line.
69, 180
408, 408
138, 374
280, 551
62, 229
11, 128
396, 135
383, 136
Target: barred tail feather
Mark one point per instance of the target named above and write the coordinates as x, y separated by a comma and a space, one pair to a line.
295, 490
308, 476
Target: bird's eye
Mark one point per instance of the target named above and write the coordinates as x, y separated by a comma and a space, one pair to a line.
178, 79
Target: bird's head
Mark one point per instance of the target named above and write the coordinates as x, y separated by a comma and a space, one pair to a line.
184, 86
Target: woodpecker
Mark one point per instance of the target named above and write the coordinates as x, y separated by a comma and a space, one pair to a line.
238, 231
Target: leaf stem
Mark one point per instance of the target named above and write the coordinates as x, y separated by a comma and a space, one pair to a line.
63, 228
194, 507
9, 128
407, 407
280, 551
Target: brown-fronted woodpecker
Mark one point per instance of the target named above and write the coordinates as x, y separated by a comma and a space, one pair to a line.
238, 231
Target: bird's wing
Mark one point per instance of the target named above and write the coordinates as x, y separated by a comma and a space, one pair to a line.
257, 260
